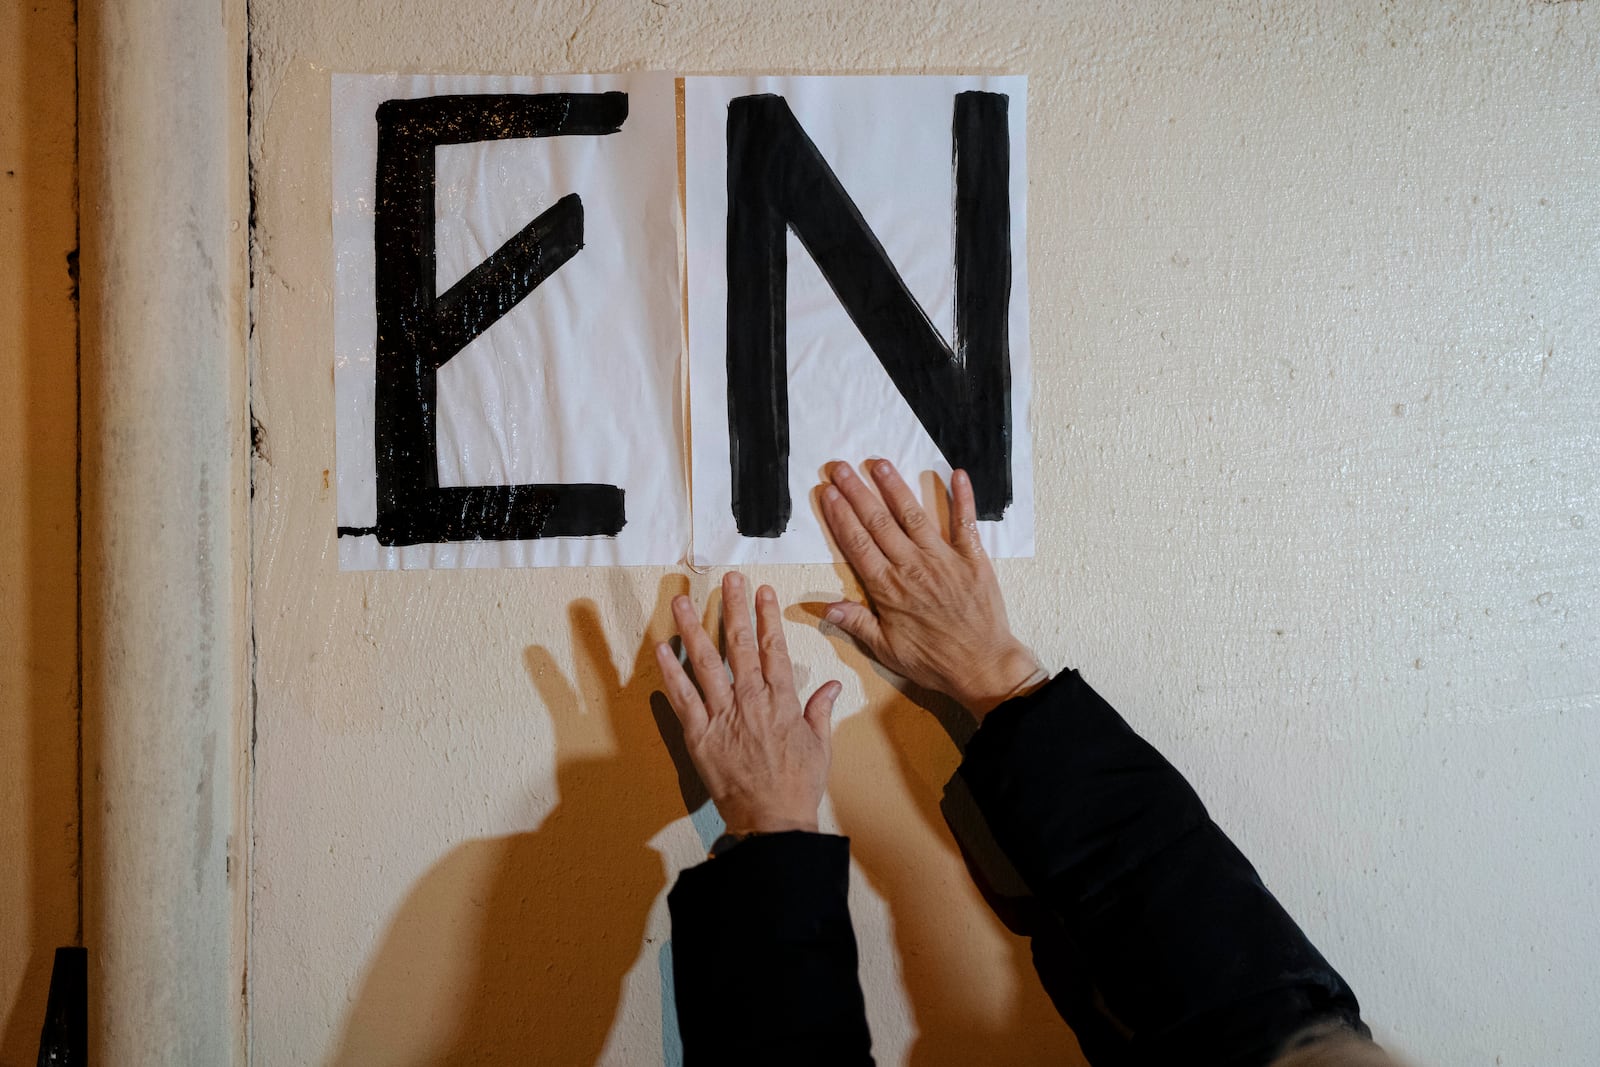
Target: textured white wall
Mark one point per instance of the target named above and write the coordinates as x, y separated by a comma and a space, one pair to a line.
164, 217
1315, 292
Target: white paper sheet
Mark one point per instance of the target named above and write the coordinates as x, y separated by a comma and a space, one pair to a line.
888, 139
579, 382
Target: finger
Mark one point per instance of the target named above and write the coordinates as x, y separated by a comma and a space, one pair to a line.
681, 693
708, 669
858, 621
860, 551
903, 503
738, 639
964, 516
775, 664
872, 515
819, 709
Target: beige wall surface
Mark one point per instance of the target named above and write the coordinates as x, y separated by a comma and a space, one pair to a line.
39, 709
1316, 334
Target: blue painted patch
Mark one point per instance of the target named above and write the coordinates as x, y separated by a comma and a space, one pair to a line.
708, 825
707, 822
671, 1040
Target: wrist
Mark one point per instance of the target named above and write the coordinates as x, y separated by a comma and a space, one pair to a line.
771, 824
1013, 672
732, 839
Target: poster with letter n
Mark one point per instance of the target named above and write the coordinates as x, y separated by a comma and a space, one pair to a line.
857, 287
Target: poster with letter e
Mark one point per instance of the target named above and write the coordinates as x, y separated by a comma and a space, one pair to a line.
507, 321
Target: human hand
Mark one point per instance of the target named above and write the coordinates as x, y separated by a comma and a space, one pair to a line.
939, 619
763, 760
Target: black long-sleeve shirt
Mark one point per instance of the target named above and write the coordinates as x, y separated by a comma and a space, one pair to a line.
1152, 933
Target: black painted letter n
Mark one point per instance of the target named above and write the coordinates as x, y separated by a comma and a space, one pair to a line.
960, 392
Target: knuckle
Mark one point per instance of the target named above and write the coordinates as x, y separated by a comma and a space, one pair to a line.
879, 521
858, 541
912, 518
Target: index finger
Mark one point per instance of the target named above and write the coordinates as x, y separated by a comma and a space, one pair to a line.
702, 653
852, 538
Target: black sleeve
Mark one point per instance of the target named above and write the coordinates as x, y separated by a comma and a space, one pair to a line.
1157, 940
764, 956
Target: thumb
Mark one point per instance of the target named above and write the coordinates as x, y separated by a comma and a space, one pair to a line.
819, 709
858, 621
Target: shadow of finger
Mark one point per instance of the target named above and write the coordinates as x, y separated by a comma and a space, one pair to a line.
690, 786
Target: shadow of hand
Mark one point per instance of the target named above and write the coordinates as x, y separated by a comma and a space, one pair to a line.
514, 949
970, 982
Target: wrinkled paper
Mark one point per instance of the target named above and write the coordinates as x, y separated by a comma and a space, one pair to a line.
580, 381
889, 141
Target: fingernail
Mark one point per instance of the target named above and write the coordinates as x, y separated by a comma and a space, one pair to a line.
830, 494
842, 471
735, 579
834, 615
766, 593
958, 477
884, 468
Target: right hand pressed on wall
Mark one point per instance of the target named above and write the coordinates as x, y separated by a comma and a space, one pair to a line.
936, 616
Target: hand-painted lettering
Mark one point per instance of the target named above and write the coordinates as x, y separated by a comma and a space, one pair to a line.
960, 392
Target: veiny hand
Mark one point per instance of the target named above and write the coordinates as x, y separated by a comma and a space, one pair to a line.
764, 762
939, 619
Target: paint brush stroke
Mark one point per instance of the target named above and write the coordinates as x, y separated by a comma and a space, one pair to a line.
419, 330
961, 393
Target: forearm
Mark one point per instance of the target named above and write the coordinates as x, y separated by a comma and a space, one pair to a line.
764, 955
1185, 949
